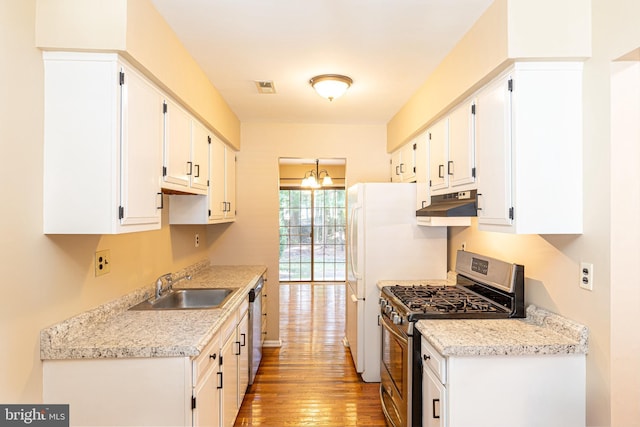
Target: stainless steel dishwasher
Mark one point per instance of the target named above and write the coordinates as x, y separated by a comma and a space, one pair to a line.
255, 329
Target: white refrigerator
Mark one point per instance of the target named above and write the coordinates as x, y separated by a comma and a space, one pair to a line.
384, 243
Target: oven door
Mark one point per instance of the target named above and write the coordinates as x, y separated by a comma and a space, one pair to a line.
394, 374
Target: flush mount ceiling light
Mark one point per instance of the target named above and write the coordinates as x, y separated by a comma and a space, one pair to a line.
331, 86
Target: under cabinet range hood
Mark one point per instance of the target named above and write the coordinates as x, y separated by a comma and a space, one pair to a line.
449, 209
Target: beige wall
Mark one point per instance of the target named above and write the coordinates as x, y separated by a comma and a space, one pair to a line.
602, 31
46, 279
254, 237
508, 30
135, 29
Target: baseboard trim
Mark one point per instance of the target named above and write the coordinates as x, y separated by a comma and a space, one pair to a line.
272, 343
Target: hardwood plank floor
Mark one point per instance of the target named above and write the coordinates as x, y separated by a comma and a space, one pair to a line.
310, 380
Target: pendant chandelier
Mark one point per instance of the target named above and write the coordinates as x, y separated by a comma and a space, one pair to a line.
312, 178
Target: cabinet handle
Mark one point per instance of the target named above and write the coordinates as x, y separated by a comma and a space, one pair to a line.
426, 356
478, 208
397, 173
161, 201
450, 167
401, 167
219, 380
213, 356
423, 203
238, 343
190, 166
440, 171
244, 339
197, 175
435, 407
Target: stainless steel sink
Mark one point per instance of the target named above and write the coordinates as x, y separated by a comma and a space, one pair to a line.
186, 299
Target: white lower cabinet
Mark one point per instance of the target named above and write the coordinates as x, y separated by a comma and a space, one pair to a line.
502, 391
157, 391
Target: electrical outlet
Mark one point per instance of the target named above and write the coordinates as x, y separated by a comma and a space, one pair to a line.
586, 276
103, 262
196, 240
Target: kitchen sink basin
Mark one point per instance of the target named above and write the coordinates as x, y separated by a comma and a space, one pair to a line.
186, 299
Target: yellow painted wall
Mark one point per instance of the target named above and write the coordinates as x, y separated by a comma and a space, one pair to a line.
46, 279
508, 30
254, 237
135, 29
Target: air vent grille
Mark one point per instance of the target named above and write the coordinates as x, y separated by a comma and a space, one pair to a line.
265, 86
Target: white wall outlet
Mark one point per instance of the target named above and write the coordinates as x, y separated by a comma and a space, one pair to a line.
196, 240
586, 276
103, 262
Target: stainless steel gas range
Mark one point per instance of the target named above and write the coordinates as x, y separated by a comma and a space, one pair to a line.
486, 288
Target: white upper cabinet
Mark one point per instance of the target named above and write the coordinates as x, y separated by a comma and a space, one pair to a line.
452, 151
186, 151
461, 165
403, 163
438, 136
529, 150
423, 195
102, 149
219, 204
177, 146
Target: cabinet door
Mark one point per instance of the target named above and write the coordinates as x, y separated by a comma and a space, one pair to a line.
230, 183
438, 146
217, 185
207, 398
433, 401
200, 140
243, 357
229, 395
395, 166
177, 145
423, 197
140, 157
408, 162
461, 162
493, 142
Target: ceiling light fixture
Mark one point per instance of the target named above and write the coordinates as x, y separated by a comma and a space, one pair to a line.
331, 86
312, 178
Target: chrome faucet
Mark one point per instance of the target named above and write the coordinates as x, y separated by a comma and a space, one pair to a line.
170, 282
168, 279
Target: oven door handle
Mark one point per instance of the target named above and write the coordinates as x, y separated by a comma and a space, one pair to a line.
393, 332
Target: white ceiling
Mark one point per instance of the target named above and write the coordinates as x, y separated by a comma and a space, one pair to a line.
388, 48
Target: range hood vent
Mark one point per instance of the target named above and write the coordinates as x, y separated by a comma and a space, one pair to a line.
459, 204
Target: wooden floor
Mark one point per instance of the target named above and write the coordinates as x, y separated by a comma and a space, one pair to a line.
310, 380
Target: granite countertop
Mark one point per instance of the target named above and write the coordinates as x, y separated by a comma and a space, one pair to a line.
541, 332
449, 281
111, 331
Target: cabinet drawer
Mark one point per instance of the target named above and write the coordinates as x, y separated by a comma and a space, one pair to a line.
433, 359
208, 359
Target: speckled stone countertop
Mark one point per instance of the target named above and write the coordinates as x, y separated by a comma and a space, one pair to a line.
449, 281
541, 332
111, 331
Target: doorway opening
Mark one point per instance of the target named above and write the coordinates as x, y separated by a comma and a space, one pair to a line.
312, 223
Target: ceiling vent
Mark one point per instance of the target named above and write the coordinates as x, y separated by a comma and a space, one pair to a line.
265, 86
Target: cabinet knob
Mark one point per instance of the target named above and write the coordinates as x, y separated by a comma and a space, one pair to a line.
426, 357
213, 356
